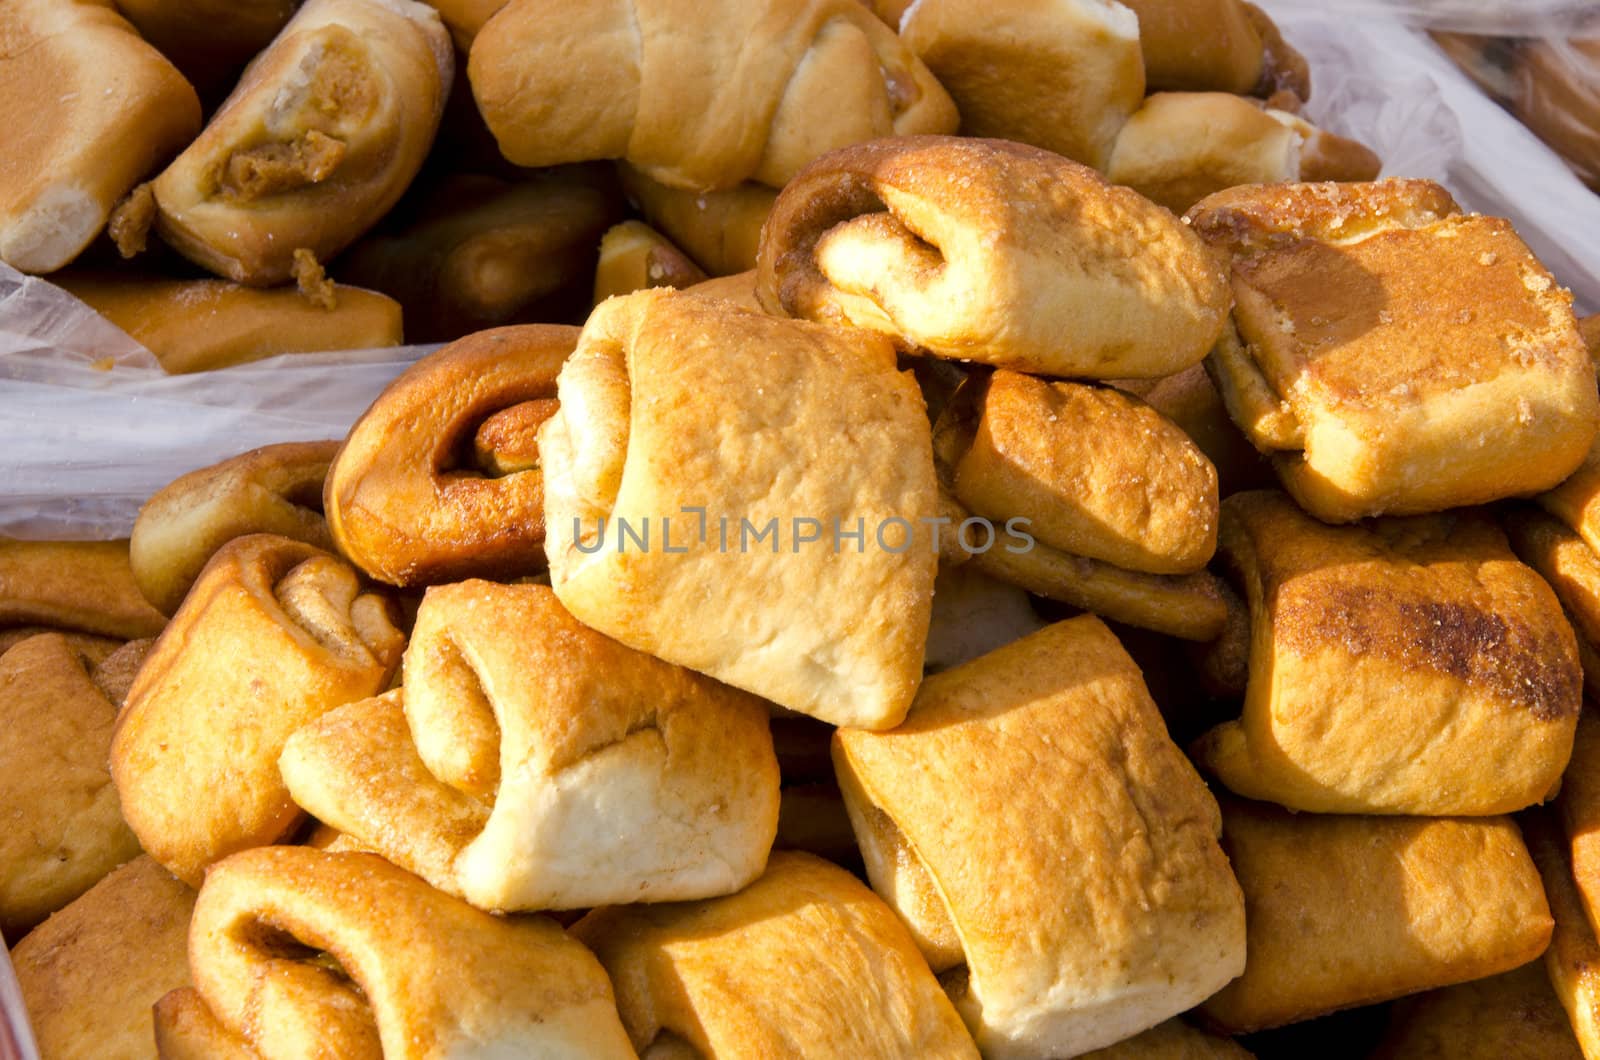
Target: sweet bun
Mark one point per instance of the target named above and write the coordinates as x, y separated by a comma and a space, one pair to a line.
91, 110
325, 131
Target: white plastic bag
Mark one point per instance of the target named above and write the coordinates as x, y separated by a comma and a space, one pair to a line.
1376, 76
90, 426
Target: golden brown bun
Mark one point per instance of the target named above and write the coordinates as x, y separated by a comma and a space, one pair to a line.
805, 961
1573, 959
274, 634
674, 403
1199, 45
1093, 471
466, 17
1589, 328
84, 643
1579, 811
532, 763
720, 230
91, 110
63, 829
1432, 612
209, 40
1324, 156
318, 141
481, 252
1285, 74
1083, 903
276, 489
1190, 400
300, 952
635, 257
90, 973
993, 252
1515, 1016
1173, 1040
1182, 146
1063, 75
811, 76
1576, 501
740, 289
77, 586
1347, 911
1571, 568
200, 325
114, 675
1555, 94
1394, 356
410, 504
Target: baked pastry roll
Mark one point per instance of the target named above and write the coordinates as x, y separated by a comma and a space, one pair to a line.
74, 586
1406, 666
201, 325
994, 252
1347, 911
1063, 76
740, 289
1173, 1040
804, 962
318, 141
92, 109
1216, 46
63, 828
532, 763
973, 614
1514, 1016
720, 230
750, 447
480, 252
1064, 908
1589, 328
443, 478
1569, 565
1092, 470
466, 17
276, 489
1189, 399
1392, 355
635, 257
299, 952
90, 973
1573, 957
812, 75
1579, 811
209, 40
274, 634
1183, 146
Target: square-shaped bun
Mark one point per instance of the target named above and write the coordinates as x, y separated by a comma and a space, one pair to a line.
1423, 359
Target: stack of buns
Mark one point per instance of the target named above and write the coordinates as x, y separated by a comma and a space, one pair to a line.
939, 603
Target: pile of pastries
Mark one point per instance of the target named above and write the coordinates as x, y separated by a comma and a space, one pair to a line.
940, 602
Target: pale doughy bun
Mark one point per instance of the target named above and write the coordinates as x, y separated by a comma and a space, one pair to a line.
720, 230
466, 17
318, 141
1063, 75
699, 96
396, 969
90, 110
479, 252
1107, 863
993, 252
1347, 911
674, 402
635, 257
443, 477
589, 774
1392, 355
273, 635
803, 961
64, 829
90, 974
276, 489
201, 325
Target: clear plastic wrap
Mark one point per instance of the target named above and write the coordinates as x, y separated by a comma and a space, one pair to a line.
16, 1038
90, 426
